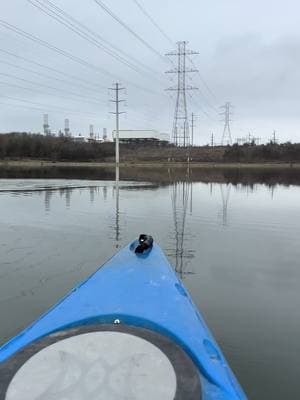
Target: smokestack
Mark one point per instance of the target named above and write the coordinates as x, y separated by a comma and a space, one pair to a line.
67, 128
46, 127
91, 131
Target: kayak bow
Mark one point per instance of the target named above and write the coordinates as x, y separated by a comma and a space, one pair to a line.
130, 331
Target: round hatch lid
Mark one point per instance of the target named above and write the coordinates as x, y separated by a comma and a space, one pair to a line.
100, 362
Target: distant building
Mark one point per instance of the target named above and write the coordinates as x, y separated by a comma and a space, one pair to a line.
95, 139
79, 138
141, 136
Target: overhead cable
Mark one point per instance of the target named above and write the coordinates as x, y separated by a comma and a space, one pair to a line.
94, 100
47, 106
130, 30
69, 55
143, 10
87, 34
57, 71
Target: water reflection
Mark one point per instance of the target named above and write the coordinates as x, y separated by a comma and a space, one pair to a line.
92, 195
104, 193
65, 192
181, 198
48, 195
68, 198
225, 193
117, 220
272, 190
45, 251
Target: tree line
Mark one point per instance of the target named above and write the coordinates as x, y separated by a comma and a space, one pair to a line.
36, 146
271, 152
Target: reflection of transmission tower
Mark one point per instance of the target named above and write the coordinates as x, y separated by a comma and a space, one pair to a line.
226, 137
225, 192
181, 135
180, 199
48, 195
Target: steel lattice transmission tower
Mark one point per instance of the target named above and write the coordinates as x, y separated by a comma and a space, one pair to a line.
181, 136
227, 113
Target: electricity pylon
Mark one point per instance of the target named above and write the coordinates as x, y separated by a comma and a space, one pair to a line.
227, 113
181, 136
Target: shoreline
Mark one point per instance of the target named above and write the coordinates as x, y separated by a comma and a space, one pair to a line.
37, 164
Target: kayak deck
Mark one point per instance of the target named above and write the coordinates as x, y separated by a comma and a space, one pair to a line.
134, 314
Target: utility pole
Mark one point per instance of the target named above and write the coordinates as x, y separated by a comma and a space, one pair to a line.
181, 135
227, 113
274, 137
212, 140
193, 119
117, 88
192, 126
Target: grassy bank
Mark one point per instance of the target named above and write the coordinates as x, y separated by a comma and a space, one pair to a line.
27, 164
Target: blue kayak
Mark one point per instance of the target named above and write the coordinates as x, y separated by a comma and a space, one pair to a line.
130, 331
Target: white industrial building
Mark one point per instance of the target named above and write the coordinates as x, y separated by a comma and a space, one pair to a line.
79, 138
141, 136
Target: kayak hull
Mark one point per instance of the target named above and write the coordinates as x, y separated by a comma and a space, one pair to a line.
140, 291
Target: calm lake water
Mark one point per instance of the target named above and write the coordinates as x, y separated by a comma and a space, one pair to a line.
236, 246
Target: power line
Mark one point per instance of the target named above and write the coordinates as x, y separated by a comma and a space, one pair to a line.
76, 78
24, 106
153, 22
35, 83
38, 91
70, 26
53, 48
200, 107
50, 87
118, 50
189, 58
45, 75
86, 33
204, 99
127, 27
66, 54
171, 41
45, 106
40, 73
204, 83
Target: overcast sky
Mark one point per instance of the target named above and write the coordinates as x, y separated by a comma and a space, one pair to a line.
249, 54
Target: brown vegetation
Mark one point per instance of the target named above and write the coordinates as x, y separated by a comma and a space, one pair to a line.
16, 146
